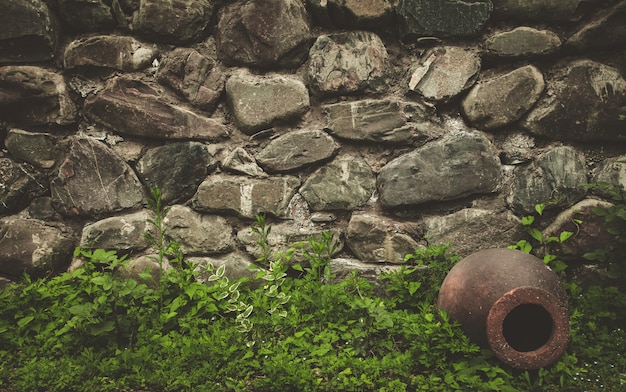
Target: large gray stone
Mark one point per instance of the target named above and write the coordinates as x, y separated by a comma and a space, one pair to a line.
611, 171
376, 239
548, 10
196, 233
502, 99
443, 18
472, 229
461, 165
194, 76
86, 15
604, 31
348, 63
582, 103
32, 95
444, 72
173, 21
177, 169
30, 246
385, 120
343, 184
93, 180
108, 51
295, 150
259, 102
19, 184
245, 197
522, 41
555, 178
359, 13
38, 149
122, 233
240, 161
28, 32
263, 33
141, 111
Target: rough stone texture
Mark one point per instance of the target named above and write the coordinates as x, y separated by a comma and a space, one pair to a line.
245, 197
263, 33
30, 246
27, 32
193, 76
198, 234
523, 41
582, 103
360, 13
517, 148
240, 161
461, 165
343, 184
38, 149
259, 102
177, 169
19, 184
32, 95
92, 180
140, 111
606, 30
587, 237
286, 236
146, 263
347, 63
173, 21
122, 233
377, 240
443, 18
557, 174
237, 266
342, 268
123, 53
611, 171
386, 121
295, 150
472, 229
444, 72
86, 15
559, 10
503, 99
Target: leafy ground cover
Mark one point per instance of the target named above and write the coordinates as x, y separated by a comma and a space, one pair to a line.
294, 328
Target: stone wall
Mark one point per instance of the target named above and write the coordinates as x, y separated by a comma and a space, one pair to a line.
393, 123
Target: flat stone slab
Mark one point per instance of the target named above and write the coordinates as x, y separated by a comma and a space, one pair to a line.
443, 18
123, 53
295, 150
522, 41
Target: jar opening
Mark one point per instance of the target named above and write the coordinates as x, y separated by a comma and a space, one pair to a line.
527, 327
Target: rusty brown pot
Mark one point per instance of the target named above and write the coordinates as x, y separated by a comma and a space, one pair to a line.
512, 302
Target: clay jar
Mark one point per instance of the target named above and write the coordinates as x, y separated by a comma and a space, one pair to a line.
511, 302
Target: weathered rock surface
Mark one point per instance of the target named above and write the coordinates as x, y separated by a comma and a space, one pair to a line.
122, 233
359, 13
385, 120
557, 174
582, 103
123, 53
472, 229
196, 233
86, 15
38, 149
259, 102
377, 240
295, 150
146, 263
347, 63
263, 33
342, 268
30, 246
245, 197
461, 165
19, 184
343, 184
503, 99
193, 76
517, 148
32, 95
444, 72
443, 18
177, 169
559, 10
174, 21
28, 32
140, 111
606, 30
240, 161
611, 171
93, 180
523, 41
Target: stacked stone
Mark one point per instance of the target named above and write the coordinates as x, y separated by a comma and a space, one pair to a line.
390, 123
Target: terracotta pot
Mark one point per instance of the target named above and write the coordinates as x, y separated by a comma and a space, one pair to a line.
511, 302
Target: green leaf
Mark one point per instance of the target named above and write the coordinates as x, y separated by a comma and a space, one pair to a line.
539, 208
565, 235
528, 220
83, 310
536, 234
24, 321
